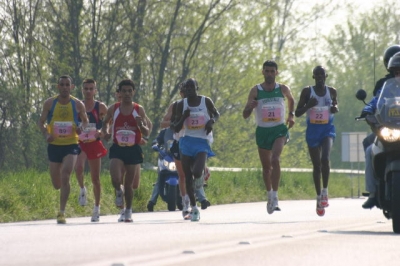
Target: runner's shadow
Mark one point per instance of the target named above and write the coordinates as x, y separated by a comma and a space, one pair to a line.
370, 233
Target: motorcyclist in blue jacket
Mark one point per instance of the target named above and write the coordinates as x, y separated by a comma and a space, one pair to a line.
370, 181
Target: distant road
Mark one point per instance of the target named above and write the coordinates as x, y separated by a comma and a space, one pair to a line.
235, 234
296, 170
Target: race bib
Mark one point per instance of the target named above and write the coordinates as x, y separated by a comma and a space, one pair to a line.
62, 129
195, 121
89, 133
125, 137
271, 112
319, 115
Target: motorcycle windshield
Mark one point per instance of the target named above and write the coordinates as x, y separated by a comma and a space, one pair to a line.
388, 105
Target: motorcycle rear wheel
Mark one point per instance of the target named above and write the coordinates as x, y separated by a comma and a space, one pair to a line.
171, 197
395, 204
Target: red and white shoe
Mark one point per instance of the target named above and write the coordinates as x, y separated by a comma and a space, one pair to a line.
320, 210
324, 201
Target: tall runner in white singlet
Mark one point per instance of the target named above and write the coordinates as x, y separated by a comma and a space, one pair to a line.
197, 115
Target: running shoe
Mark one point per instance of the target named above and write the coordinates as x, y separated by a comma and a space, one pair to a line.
82, 197
276, 205
186, 208
324, 201
270, 206
128, 216
119, 197
188, 216
195, 215
61, 218
320, 209
95, 216
121, 215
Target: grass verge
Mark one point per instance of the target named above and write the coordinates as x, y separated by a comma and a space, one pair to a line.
29, 195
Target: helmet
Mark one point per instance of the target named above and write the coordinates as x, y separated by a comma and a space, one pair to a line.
394, 61
389, 53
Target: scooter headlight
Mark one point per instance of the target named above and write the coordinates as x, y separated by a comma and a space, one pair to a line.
390, 135
170, 166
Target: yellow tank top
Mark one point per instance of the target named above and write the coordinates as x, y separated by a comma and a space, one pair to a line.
62, 122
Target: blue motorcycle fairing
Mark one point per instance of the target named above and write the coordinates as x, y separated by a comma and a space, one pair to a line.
172, 180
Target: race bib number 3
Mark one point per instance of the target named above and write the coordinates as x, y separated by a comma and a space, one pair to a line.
196, 120
271, 113
89, 133
125, 137
319, 115
62, 129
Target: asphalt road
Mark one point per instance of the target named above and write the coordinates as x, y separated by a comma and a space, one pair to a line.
235, 234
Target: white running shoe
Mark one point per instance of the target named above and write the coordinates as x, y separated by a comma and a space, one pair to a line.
195, 215
270, 205
119, 197
95, 216
128, 216
122, 216
276, 205
186, 207
82, 197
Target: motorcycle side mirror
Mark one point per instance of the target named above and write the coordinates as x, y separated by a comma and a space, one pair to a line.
361, 95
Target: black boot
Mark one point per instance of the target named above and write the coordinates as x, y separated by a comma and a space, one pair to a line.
150, 206
205, 204
370, 203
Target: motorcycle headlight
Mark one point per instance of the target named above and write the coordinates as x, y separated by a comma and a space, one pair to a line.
390, 135
170, 166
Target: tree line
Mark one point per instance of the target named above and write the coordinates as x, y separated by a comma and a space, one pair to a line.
159, 44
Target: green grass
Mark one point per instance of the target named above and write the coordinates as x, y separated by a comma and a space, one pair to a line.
29, 195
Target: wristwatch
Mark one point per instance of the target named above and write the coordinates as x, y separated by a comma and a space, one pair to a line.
291, 113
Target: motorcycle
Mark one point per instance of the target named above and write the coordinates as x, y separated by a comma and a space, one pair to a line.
385, 123
167, 182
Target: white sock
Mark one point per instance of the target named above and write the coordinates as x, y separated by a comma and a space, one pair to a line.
274, 194
324, 191
83, 189
96, 208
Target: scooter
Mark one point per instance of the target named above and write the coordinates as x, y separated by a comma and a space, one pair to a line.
167, 182
385, 123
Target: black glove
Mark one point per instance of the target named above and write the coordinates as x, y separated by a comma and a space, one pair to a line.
364, 114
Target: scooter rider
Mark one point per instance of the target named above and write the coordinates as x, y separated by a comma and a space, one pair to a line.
389, 52
370, 181
165, 135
